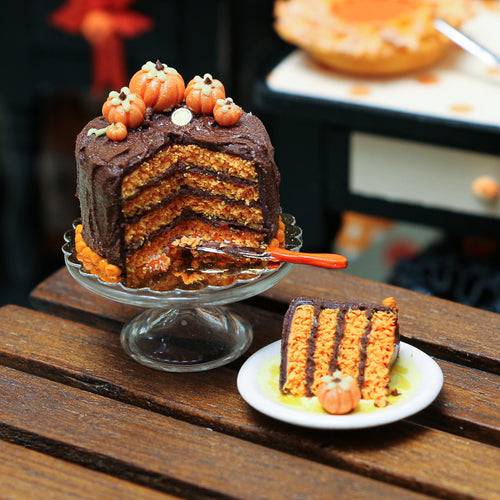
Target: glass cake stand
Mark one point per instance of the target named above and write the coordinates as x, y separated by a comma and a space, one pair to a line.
185, 330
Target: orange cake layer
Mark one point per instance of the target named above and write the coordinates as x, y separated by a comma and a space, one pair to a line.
159, 247
157, 257
321, 336
180, 182
189, 180
209, 208
188, 155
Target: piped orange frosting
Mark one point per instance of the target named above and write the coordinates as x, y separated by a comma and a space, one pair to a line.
279, 239
93, 262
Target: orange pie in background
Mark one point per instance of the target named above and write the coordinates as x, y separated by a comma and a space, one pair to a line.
369, 37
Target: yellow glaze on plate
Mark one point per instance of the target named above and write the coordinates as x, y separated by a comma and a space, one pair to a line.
405, 378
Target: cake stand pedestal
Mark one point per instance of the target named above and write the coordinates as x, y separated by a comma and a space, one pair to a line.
185, 330
186, 339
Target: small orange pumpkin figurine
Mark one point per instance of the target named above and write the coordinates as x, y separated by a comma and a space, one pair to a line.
226, 112
160, 87
202, 93
116, 131
338, 394
124, 107
486, 188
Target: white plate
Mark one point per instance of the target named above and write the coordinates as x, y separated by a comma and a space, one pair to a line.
416, 376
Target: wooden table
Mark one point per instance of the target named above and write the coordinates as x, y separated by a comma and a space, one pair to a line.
80, 419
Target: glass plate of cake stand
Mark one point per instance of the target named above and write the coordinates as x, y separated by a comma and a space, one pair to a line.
185, 330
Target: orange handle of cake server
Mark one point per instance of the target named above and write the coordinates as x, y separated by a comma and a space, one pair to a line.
328, 260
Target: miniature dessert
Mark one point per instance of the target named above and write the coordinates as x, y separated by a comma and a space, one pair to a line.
322, 336
167, 161
338, 394
371, 37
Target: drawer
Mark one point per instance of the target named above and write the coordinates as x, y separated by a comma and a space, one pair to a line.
421, 174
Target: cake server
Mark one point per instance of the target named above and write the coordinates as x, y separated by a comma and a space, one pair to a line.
276, 254
467, 43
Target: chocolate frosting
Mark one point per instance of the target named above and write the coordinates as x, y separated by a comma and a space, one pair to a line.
102, 165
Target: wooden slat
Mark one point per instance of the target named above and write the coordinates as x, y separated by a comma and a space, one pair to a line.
172, 455
26, 473
468, 404
444, 329
93, 359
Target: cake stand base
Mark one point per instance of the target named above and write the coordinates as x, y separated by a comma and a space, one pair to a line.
186, 339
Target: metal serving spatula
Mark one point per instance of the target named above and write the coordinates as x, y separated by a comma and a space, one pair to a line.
275, 254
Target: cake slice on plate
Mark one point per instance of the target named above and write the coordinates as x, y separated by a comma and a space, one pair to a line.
321, 337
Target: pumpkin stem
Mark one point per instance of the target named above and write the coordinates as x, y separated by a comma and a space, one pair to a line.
122, 96
159, 66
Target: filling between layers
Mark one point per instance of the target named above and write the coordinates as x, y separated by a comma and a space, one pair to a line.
360, 342
187, 191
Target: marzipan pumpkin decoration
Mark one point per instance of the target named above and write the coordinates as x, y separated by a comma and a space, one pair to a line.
201, 94
226, 112
338, 394
116, 131
124, 107
160, 87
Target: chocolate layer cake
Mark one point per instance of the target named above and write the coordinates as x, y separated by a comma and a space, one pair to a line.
165, 181
321, 336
